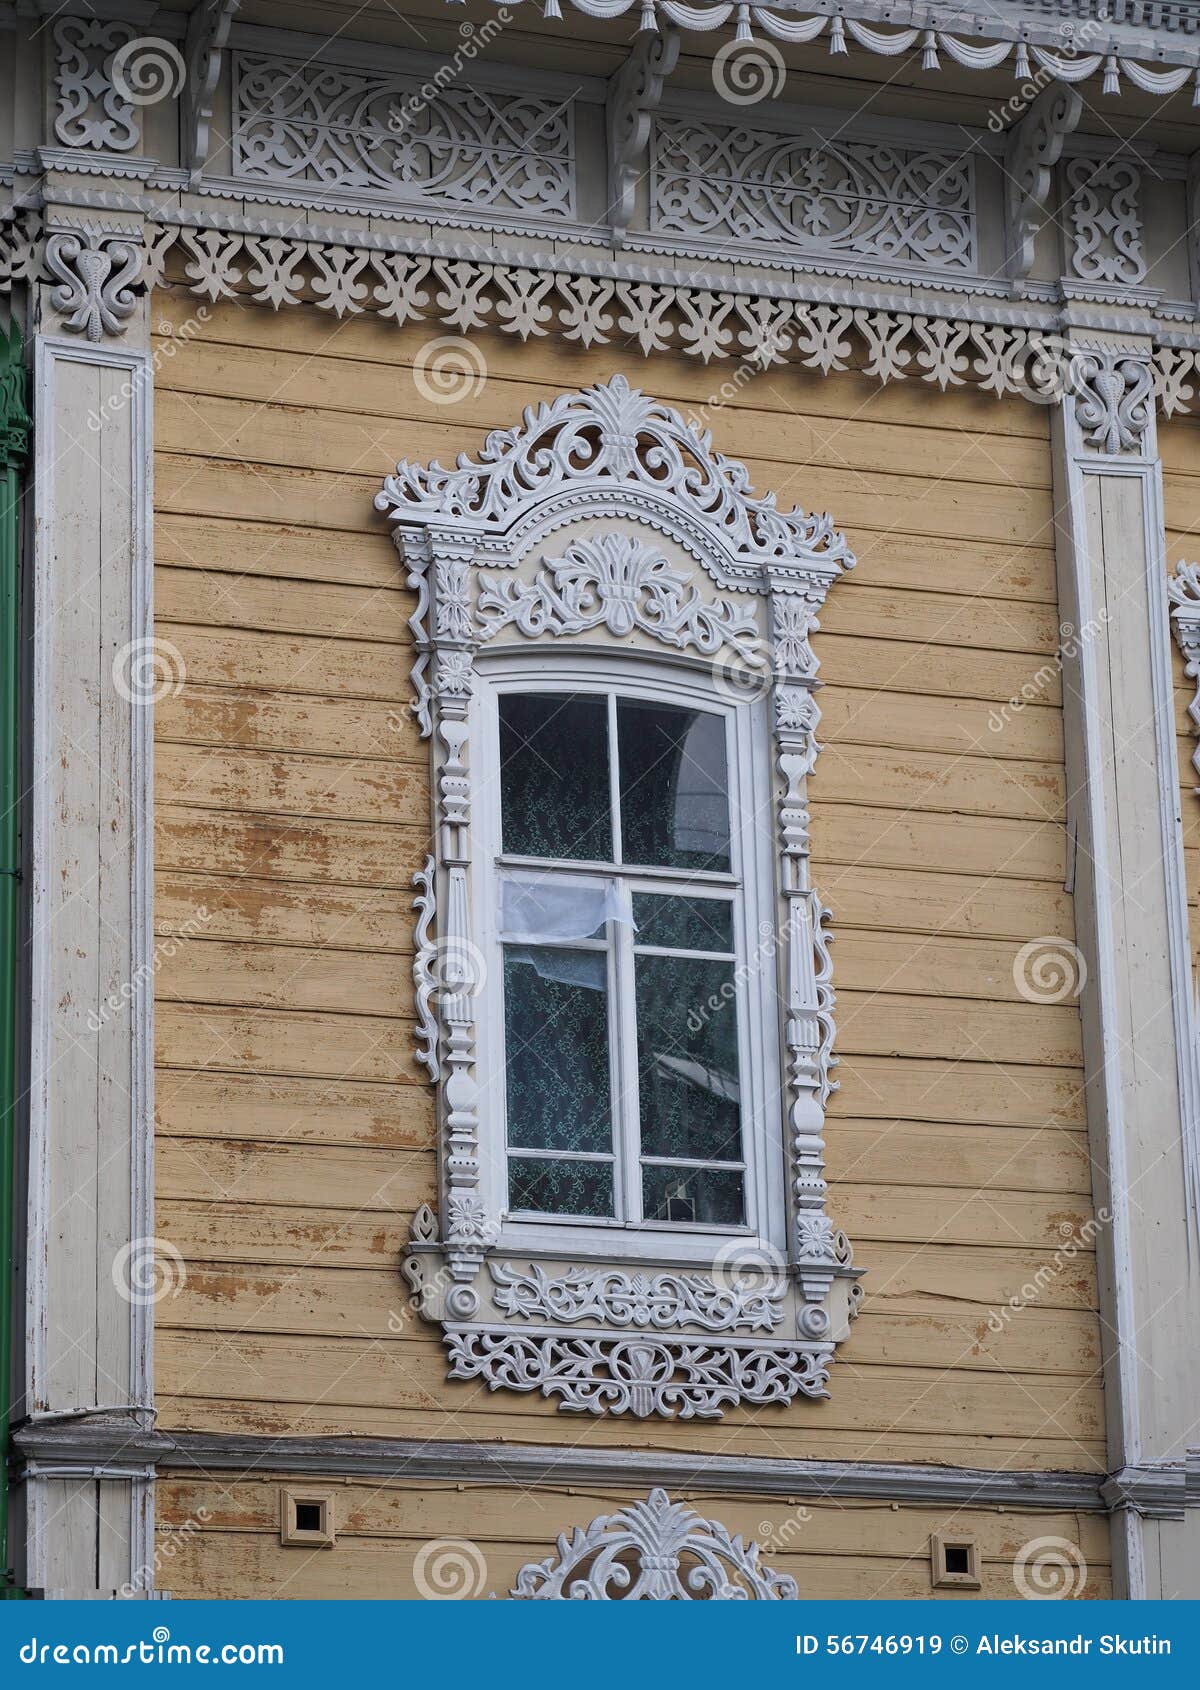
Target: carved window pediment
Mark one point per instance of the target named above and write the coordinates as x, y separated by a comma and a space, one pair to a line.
603, 555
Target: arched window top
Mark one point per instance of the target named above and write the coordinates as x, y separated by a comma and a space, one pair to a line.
627, 453
631, 1213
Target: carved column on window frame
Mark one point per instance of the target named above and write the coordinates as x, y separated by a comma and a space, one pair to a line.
1183, 592
1034, 148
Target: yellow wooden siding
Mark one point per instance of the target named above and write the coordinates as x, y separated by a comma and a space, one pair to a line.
1179, 445
292, 804
486, 1533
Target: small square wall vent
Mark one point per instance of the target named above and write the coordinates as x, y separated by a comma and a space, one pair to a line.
955, 1562
306, 1518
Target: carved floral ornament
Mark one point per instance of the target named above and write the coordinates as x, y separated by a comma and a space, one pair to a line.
604, 515
652, 1551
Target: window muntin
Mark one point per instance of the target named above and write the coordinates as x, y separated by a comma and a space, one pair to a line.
657, 981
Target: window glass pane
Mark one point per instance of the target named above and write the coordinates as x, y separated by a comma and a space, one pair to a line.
683, 924
674, 787
687, 1059
560, 1187
710, 1195
554, 788
556, 1048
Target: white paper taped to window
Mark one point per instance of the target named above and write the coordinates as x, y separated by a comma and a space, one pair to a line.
546, 907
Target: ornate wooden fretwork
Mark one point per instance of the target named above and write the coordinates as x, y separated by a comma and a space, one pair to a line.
1105, 240
652, 1551
672, 552
322, 125
733, 182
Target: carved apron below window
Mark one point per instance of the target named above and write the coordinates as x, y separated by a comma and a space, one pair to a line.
622, 975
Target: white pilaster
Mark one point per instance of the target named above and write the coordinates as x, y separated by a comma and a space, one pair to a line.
89, 1274
1131, 920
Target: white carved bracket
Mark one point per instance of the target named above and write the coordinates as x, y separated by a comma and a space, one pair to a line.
673, 552
633, 97
1034, 148
207, 37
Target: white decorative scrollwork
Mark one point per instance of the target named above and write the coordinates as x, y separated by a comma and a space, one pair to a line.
1106, 240
1183, 593
680, 1378
207, 37
424, 983
615, 433
1114, 399
96, 272
657, 1302
615, 582
725, 181
325, 126
91, 112
652, 1551
1034, 147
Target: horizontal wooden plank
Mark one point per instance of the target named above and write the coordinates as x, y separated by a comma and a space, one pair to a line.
225, 1565
860, 835
373, 1307
901, 1278
313, 609
286, 551
1018, 680
254, 907
288, 784
250, 908
491, 1514
378, 1046
268, 721
817, 1437
265, 1108
375, 789
310, 665
906, 1153
282, 1370
875, 1088
330, 488
290, 848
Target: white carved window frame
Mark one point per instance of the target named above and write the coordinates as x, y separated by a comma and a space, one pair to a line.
577, 667
605, 538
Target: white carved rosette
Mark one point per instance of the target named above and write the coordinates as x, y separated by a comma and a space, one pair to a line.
606, 525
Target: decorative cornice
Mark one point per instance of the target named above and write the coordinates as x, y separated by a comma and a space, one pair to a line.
421, 1459
1111, 49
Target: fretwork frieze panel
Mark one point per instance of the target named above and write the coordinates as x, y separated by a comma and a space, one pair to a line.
861, 198
328, 127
